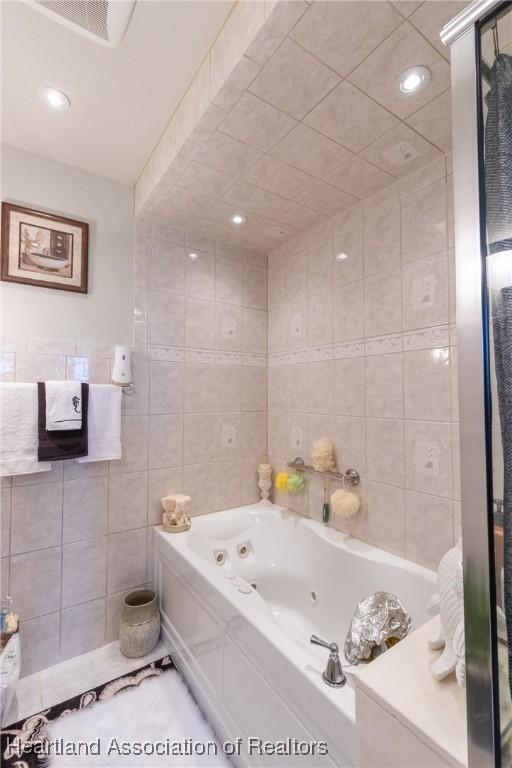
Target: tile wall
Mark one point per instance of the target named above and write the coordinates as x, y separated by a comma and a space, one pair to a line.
362, 349
68, 535
76, 539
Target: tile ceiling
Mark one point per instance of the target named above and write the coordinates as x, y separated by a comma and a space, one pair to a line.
312, 120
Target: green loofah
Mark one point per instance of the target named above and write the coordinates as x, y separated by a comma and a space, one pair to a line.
296, 483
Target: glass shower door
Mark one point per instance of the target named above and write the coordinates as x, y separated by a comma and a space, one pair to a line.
496, 131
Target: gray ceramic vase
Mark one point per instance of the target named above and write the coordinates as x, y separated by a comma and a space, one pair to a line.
139, 628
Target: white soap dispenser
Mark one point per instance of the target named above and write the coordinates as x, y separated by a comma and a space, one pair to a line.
121, 370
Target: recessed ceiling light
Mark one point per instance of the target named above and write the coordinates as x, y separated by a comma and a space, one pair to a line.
341, 256
414, 79
54, 98
193, 256
238, 219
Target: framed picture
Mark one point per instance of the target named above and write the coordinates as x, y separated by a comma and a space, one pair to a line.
44, 249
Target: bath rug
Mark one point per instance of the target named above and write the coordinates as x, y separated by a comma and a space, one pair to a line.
33, 730
156, 725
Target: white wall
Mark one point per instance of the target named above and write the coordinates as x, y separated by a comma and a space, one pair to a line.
105, 313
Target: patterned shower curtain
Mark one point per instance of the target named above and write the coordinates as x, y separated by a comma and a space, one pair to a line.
498, 176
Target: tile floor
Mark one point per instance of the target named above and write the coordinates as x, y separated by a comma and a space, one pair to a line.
69, 678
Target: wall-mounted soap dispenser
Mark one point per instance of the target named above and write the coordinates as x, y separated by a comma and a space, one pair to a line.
121, 370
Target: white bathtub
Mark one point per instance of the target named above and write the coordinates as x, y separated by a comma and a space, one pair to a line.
246, 652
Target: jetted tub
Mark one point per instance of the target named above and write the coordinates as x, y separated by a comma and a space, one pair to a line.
241, 594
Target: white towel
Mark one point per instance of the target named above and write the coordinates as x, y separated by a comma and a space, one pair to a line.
63, 405
18, 430
104, 423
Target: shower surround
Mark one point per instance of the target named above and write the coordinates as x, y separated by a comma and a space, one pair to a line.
362, 350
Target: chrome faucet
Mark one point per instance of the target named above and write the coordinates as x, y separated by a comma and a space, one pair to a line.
333, 674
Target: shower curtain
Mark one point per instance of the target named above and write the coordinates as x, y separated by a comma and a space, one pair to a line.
498, 176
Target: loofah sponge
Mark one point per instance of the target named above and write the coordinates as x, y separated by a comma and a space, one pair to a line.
345, 503
323, 455
281, 481
296, 483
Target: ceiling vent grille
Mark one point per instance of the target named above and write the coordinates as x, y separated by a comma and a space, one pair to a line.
101, 20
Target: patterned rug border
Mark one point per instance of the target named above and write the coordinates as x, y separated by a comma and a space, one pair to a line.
33, 729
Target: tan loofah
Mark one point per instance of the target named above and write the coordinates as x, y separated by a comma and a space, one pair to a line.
323, 455
345, 503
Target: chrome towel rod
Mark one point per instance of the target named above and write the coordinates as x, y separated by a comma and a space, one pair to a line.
350, 477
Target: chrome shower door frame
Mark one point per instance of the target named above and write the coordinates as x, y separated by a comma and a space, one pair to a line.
462, 34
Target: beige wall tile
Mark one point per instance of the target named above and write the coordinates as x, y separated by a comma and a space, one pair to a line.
229, 327
428, 457
199, 388
255, 331
348, 312
41, 641
280, 18
82, 628
254, 388
199, 443
386, 517
360, 177
384, 386
349, 386
228, 155
429, 528
350, 118
127, 501
383, 303
271, 174
434, 121
36, 517
35, 582
166, 319
167, 267
198, 482
321, 387
199, 323
228, 388
347, 243
32, 367
320, 319
228, 436
254, 434
84, 571
427, 393
238, 81
385, 450
228, 484
256, 123
424, 222
165, 441
310, 151
228, 281
255, 287
293, 80
426, 292
85, 508
200, 275
166, 387
126, 560
343, 34
382, 240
